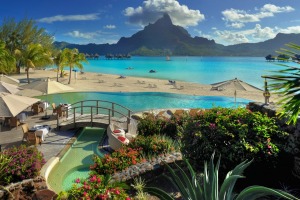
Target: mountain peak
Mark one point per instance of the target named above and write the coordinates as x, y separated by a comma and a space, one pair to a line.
165, 20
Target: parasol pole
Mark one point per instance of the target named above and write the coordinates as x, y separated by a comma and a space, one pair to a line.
235, 98
46, 103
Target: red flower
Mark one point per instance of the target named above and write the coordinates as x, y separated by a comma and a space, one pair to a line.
77, 180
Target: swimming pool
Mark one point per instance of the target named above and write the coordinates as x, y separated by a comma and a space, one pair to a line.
141, 101
76, 161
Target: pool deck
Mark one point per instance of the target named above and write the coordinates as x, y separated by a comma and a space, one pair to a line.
54, 142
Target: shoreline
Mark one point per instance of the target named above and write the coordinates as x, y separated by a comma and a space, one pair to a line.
96, 82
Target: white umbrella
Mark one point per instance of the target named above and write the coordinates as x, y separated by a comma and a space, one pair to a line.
47, 86
11, 105
234, 85
9, 88
8, 79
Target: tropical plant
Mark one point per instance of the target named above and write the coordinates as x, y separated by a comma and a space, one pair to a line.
19, 35
4, 162
35, 55
7, 62
73, 58
96, 187
208, 188
286, 83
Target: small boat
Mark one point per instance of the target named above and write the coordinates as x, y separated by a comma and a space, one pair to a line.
168, 58
129, 68
152, 71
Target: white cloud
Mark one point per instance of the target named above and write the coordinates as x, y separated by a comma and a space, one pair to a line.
110, 26
276, 9
151, 10
263, 33
237, 18
237, 25
229, 37
78, 34
62, 18
291, 29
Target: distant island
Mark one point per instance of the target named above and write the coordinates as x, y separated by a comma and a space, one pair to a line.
163, 38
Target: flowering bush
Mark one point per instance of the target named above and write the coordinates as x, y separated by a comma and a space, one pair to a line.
96, 187
154, 145
25, 163
116, 161
237, 133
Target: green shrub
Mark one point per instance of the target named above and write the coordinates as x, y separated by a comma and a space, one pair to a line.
154, 145
25, 163
237, 133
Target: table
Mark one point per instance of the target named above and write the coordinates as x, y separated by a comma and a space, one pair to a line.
41, 130
44, 105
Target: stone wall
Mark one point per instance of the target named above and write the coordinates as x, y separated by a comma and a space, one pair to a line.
27, 189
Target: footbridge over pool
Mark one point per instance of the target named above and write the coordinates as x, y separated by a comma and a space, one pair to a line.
93, 113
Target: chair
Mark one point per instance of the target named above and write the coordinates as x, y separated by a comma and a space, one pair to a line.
32, 139
54, 109
60, 112
14, 122
36, 109
25, 130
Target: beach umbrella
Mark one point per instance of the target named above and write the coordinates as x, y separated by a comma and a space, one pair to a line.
234, 85
9, 88
11, 104
46, 86
8, 79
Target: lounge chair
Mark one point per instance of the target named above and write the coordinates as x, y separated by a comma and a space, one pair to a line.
116, 141
194, 112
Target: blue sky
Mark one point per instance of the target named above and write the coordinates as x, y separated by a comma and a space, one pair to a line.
106, 21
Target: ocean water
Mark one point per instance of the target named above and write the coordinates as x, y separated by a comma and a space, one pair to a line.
205, 70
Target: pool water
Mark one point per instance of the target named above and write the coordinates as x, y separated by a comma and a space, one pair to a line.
76, 161
141, 101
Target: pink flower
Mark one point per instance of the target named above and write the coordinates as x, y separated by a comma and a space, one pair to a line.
93, 179
77, 180
117, 192
269, 147
98, 180
127, 198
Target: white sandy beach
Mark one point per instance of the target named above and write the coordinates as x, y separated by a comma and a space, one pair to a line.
112, 83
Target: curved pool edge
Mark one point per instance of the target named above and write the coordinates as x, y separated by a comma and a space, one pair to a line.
46, 169
54, 162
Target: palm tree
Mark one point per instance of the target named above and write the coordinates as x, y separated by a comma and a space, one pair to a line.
7, 62
19, 35
286, 83
73, 58
35, 55
59, 62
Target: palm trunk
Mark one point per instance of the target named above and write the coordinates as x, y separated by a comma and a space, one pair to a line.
57, 73
27, 73
70, 75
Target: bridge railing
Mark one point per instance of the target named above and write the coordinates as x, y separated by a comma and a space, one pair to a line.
93, 108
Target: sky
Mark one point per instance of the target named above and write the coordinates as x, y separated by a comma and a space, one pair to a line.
106, 21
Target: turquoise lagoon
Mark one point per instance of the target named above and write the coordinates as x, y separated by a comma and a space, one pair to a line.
205, 70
